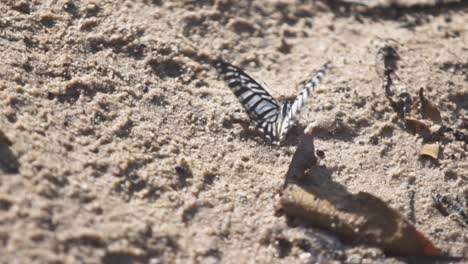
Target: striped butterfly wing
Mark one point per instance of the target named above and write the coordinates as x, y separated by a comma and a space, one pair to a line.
261, 107
293, 109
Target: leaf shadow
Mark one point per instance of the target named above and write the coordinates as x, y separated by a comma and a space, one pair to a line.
8, 160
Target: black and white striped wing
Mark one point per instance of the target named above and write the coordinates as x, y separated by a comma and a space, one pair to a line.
298, 103
261, 107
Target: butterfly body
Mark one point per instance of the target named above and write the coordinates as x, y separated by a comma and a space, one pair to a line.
271, 118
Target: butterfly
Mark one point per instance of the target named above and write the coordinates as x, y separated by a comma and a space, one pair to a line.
272, 118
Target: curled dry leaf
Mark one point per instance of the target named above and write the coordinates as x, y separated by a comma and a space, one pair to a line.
358, 217
424, 128
418, 126
430, 149
430, 131
428, 109
303, 158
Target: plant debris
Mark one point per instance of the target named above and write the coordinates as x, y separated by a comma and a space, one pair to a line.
360, 217
303, 158
430, 149
457, 134
430, 127
386, 66
428, 109
449, 206
417, 126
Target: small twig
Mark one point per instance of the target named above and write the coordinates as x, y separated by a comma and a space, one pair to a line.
457, 134
412, 215
448, 206
386, 66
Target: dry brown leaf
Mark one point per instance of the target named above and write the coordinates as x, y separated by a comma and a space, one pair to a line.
430, 149
428, 109
358, 217
418, 126
303, 158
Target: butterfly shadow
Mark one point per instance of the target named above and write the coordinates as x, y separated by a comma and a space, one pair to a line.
337, 135
294, 134
250, 133
339, 132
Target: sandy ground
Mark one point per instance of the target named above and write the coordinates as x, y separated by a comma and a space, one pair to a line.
126, 146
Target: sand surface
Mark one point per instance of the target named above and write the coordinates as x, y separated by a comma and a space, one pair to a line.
126, 146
